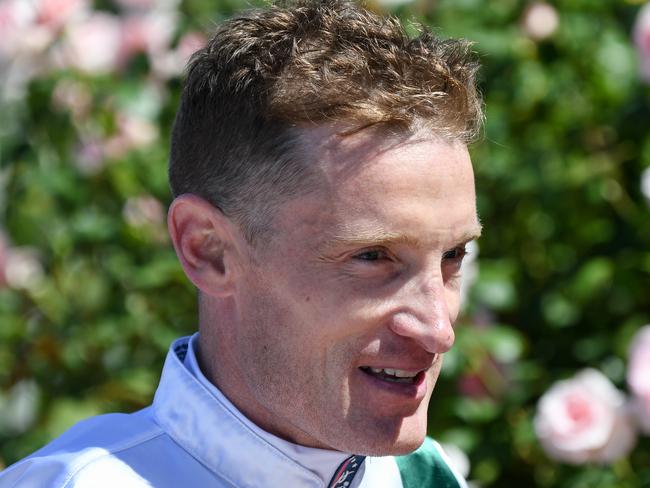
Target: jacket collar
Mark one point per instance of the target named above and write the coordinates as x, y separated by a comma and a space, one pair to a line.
203, 422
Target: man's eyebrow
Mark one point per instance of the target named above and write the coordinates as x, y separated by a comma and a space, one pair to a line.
384, 238
372, 237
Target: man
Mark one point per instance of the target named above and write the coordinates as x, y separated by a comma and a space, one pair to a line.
324, 197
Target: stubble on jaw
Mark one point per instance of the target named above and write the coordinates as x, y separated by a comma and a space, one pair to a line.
274, 383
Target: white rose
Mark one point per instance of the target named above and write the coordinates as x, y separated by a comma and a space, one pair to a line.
584, 419
469, 271
645, 184
457, 458
540, 20
642, 40
638, 376
22, 268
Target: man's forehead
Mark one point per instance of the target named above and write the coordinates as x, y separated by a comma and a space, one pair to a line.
340, 150
350, 135
335, 143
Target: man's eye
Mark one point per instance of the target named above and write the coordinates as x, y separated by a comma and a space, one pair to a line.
456, 254
372, 255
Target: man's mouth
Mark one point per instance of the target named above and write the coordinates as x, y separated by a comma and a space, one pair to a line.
394, 375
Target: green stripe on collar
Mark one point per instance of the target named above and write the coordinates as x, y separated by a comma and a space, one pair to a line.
425, 468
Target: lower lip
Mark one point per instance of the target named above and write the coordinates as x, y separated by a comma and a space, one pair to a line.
414, 391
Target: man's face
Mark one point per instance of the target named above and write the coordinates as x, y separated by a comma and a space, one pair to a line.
346, 311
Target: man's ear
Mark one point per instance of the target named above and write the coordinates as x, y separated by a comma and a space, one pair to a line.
206, 243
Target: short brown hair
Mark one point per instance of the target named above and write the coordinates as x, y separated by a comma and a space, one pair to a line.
267, 72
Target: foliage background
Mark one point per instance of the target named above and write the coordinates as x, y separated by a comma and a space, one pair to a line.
563, 276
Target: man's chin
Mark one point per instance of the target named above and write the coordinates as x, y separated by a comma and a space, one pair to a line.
407, 446
402, 446
402, 441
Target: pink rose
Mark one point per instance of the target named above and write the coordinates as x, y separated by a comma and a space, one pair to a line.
55, 14
20, 35
172, 63
642, 40
638, 376
149, 33
29, 27
584, 419
93, 45
189, 44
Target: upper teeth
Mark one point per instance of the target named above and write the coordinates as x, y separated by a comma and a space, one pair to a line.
399, 373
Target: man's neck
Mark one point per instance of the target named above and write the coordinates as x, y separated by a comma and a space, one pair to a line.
221, 371
324, 462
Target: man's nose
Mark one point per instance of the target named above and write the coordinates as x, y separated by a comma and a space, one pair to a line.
427, 318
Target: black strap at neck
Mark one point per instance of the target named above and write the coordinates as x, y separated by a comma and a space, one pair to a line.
346, 472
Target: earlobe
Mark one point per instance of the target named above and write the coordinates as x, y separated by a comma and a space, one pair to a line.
204, 243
